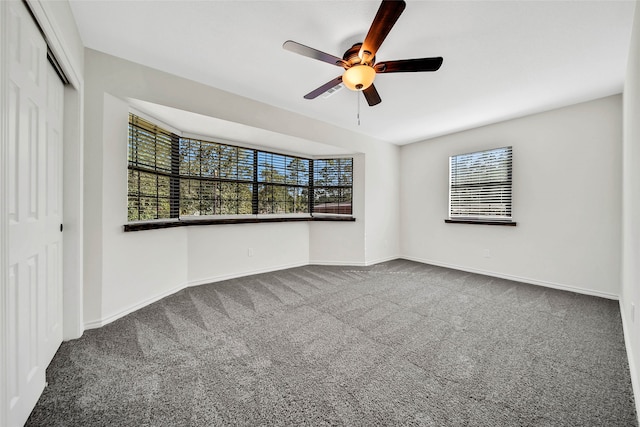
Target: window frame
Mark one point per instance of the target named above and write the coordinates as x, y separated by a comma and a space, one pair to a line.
481, 184
297, 182
215, 177
167, 140
339, 186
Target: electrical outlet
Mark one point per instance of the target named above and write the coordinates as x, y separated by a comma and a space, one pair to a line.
250, 252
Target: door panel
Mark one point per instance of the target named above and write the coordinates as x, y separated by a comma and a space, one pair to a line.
14, 108
52, 216
34, 297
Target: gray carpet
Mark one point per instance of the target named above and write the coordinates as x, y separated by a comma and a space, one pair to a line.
399, 343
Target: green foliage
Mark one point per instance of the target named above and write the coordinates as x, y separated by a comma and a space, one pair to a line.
333, 180
214, 166
283, 184
208, 178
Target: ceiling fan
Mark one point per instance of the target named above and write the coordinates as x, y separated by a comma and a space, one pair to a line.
359, 61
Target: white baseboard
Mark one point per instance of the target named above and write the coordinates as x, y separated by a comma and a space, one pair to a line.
338, 263
137, 306
115, 316
537, 282
633, 369
220, 278
203, 281
380, 260
354, 263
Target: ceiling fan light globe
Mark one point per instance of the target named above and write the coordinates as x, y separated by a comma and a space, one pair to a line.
359, 77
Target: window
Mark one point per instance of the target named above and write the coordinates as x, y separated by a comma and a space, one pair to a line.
215, 179
480, 185
152, 180
283, 184
172, 177
332, 186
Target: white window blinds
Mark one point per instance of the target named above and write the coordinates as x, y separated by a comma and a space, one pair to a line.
480, 184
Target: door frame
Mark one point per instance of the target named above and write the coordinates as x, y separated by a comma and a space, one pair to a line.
46, 16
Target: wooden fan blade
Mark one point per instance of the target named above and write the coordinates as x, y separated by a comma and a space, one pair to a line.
409, 65
388, 14
372, 96
322, 89
310, 52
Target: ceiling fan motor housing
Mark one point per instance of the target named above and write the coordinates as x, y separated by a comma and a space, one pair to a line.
352, 58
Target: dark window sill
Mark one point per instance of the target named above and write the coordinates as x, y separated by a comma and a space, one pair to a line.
480, 221
154, 225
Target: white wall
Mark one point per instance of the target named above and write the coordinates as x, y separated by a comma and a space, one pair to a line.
92, 213
117, 282
383, 213
220, 252
376, 203
137, 268
332, 243
631, 208
566, 200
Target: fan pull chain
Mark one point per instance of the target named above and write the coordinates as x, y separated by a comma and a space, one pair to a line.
358, 101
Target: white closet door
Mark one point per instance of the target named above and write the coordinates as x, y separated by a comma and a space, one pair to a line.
34, 294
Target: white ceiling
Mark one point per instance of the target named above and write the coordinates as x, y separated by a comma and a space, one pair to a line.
192, 125
502, 59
